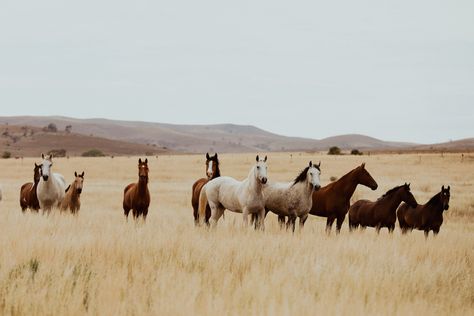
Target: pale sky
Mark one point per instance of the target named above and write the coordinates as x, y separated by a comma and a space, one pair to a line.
395, 70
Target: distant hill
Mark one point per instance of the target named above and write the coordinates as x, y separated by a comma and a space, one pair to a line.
27, 141
201, 138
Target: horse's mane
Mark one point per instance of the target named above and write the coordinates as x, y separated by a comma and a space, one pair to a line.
390, 191
302, 176
218, 171
434, 199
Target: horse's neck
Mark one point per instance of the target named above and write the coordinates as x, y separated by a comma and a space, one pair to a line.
392, 201
254, 185
347, 184
435, 203
217, 174
304, 187
142, 185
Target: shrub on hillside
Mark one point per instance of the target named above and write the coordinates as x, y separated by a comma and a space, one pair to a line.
356, 152
6, 155
57, 152
334, 150
93, 153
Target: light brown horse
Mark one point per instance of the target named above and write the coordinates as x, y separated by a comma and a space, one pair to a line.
212, 172
136, 196
380, 213
425, 217
333, 200
72, 199
28, 197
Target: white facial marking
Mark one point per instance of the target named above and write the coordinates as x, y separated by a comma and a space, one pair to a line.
314, 174
209, 168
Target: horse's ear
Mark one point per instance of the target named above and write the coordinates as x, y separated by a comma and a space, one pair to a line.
310, 163
363, 165
82, 175
42, 156
36, 166
75, 174
442, 188
265, 160
207, 156
140, 160
319, 164
449, 187
146, 160
215, 155
257, 159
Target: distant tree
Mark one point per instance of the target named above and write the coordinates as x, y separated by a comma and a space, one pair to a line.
6, 155
51, 128
57, 152
334, 150
93, 153
68, 129
356, 152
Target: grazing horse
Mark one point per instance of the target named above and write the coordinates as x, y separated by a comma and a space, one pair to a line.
51, 187
333, 200
212, 172
293, 199
380, 213
425, 217
28, 197
72, 200
136, 196
244, 197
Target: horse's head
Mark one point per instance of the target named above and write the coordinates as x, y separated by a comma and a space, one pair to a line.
143, 169
407, 196
212, 165
46, 166
364, 178
444, 196
37, 173
78, 182
261, 170
313, 175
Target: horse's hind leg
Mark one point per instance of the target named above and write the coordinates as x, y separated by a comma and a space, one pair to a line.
281, 220
427, 231
391, 228
339, 222
144, 214
329, 223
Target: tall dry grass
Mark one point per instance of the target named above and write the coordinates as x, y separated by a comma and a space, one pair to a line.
97, 263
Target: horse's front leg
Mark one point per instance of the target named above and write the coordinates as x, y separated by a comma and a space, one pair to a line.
245, 216
261, 219
303, 219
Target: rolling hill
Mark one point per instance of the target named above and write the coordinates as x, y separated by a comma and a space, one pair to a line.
201, 138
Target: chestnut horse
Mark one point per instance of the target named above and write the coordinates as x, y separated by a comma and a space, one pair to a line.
136, 196
212, 172
380, 213
333, 200
28, 197
72, 199
425, 217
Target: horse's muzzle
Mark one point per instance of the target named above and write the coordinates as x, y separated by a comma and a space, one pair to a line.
374, 187
79, 191
45, 178
264, 180
317, 187
209, 175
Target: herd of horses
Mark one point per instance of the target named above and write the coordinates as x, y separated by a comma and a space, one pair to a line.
255, 196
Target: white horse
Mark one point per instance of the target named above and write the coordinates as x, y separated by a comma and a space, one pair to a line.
293, 199
244, 197
52, 186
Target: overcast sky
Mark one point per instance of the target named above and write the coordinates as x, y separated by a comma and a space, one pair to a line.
396, 70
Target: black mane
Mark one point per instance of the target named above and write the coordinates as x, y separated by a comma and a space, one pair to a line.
391, 191
302, 176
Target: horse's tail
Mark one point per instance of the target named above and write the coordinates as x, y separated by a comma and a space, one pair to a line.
202, 205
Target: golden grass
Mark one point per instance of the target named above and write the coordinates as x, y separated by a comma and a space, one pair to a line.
99, 264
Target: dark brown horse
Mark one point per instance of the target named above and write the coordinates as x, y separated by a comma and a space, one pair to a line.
28, 197
380, 213
333, 200
212, 171
425, 217
136, 196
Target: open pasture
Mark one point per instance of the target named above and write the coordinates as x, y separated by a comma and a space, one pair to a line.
97, 263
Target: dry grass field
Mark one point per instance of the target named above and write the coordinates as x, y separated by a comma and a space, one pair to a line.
99, 264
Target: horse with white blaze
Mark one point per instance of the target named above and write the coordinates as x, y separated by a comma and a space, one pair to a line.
244, 197
52, 186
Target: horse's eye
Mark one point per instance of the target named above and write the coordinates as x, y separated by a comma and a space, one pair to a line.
258, 167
